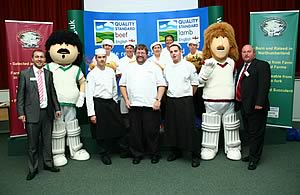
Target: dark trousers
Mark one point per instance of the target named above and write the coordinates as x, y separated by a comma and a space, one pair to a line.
180, 130
255, 126
106, 146
34, 130
198, 101
144, 131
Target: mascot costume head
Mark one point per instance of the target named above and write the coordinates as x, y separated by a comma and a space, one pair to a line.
218, 73
64, 48
63, 56
214, 48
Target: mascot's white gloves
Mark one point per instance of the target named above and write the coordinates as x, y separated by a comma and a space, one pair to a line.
206, 71
80, 100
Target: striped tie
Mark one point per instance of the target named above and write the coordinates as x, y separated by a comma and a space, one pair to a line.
40, 85
238, 89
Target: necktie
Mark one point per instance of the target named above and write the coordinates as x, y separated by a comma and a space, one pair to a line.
238, 89
40, 85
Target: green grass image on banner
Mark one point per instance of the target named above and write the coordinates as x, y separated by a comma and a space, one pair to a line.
100, 36
162, 35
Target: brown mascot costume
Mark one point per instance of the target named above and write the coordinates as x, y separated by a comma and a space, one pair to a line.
220, 52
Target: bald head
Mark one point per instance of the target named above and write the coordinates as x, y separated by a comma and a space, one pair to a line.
248, 53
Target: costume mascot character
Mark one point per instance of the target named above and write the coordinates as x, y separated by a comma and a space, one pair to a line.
220, 52
64, 55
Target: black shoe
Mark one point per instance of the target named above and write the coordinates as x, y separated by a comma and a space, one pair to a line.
126, 154
106, 159
195, 161
31, 175
136, 160
52, 169
245, 159
252, 165
155, 159
173, 156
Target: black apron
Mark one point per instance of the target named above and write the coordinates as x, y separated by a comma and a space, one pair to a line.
110, 123
180, 130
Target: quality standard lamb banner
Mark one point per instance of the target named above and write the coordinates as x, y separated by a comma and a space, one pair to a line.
145, 28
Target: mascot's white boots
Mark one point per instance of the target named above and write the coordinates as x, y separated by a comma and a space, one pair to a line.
231, 137
211, 125
58, 144
73, 140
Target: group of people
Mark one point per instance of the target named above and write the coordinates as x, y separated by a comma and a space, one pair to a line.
183, 89
143, 83
175, 89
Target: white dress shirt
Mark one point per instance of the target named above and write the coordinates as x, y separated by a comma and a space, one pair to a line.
100, 84
141, 82
124, 63
180, 79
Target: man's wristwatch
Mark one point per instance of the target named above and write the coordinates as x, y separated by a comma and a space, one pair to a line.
157, 99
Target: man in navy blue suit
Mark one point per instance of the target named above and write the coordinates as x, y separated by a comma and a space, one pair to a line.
252, 89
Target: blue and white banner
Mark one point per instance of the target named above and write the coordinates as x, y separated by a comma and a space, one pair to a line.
143, 28
119, 31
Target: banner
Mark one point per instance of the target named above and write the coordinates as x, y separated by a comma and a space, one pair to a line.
146, 28
138, 6
75, 24
274, 37
22, 37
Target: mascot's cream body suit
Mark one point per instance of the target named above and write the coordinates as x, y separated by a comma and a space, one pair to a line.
63, 49
217, 75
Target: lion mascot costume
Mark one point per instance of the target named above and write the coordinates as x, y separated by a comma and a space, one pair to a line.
64, 55
220, 52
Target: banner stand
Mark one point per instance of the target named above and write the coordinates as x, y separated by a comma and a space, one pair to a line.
274, 38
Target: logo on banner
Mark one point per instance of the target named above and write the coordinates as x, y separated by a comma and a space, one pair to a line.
119, 31
273, 27
182, 29
29, 39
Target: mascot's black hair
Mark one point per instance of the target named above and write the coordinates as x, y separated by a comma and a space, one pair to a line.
60, 37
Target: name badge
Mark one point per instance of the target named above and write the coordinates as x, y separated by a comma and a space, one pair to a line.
247, 74
32, 79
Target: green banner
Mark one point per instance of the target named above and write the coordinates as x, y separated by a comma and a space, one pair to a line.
215, 14
75, 24
274, 37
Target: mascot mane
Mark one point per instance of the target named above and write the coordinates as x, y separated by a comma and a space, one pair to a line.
220, 29
60, 37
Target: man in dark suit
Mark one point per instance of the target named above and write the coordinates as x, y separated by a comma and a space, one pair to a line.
37, 105
252, 89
